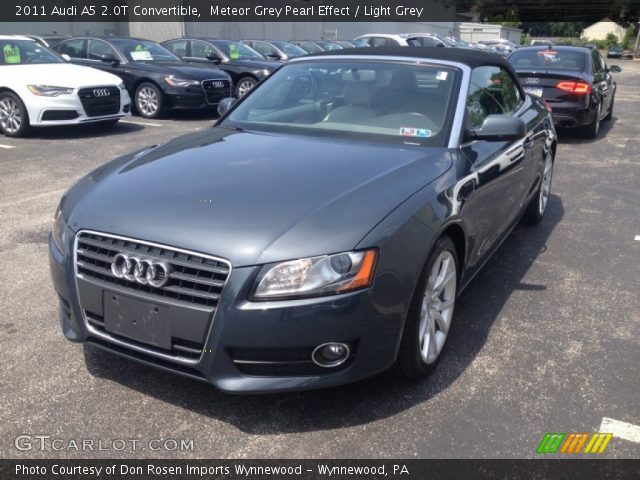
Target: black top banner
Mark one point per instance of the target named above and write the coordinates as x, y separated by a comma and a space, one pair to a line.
225, 10
512, 11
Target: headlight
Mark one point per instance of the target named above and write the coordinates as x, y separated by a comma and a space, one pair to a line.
59, 230
327, 274
180, 82
49, 90
264, 73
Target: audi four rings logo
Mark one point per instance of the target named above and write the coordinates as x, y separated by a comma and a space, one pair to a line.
218, 84
532, 80
101, 92
145, 271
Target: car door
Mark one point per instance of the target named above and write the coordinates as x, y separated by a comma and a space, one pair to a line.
601, 82
498, 173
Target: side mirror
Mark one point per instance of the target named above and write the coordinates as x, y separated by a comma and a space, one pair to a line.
498, 128
615, 68
225, 104
66, 57
274, 56
109, 58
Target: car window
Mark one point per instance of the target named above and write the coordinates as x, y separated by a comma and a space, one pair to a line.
98, 48
424, 42
374, 100
18, 52
237, 50
598, 62
548, 59
361, 42
382, 42
177, 47
144, 51
201, 49
264, 49
73, 48
492, 91
290, 49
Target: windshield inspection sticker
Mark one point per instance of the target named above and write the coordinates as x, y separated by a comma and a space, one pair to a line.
415, 132
441, 75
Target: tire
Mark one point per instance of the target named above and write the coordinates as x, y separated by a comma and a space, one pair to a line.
14, 118
610, 114
149, 100
245, 84
538, 205
591, 130
418, 356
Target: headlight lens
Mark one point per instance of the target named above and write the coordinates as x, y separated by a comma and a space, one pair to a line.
180, 82
327, 274
59, 230
49, 90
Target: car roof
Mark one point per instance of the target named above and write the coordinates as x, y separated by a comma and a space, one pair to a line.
16, 37
465, 56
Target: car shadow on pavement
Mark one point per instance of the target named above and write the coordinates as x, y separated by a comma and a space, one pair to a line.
368, 400
89, 130
572, 136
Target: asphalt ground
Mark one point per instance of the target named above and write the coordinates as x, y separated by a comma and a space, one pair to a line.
545, 339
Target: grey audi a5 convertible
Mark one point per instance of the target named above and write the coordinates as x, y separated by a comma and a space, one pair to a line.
319, 233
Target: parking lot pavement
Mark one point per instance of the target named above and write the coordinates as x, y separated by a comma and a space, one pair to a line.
544, 340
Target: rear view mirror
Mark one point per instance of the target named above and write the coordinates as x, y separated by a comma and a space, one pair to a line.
615, 68
225, 104
108, 58
66, 57
498, 128
214, 57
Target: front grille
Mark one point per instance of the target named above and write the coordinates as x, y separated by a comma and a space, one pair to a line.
97, 104
216, 90
282, 362
193, 279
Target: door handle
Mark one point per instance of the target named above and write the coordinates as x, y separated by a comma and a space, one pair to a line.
528, 142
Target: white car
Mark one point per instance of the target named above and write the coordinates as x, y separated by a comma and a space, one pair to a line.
401, 39
39, 88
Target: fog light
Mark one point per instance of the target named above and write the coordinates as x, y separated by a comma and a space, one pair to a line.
330, 354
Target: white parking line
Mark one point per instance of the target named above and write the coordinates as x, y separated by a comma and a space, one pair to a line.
623, 430
149, 124
6, 146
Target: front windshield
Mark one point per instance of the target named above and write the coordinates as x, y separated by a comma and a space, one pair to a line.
144, 51
20, 52
330, 46
371, 100
237, 50
311, 47
290, 49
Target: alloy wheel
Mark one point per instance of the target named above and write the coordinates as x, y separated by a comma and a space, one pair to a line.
436, 310
545, 186
244, 86
10, 115
148, 101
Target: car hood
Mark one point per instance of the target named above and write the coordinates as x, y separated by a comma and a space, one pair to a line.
61, 74
252, 198
181, 68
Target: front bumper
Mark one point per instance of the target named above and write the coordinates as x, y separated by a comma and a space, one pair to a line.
255, 347
197, 97
68, 110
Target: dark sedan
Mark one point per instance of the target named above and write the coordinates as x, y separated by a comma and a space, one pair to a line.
156, 79
319, 233
245, 66
574, 81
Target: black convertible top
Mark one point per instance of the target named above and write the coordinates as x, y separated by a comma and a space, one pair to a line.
467, 56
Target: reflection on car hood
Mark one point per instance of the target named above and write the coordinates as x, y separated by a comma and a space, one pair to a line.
253, 198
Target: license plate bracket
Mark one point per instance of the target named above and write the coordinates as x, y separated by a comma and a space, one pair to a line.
138, 320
